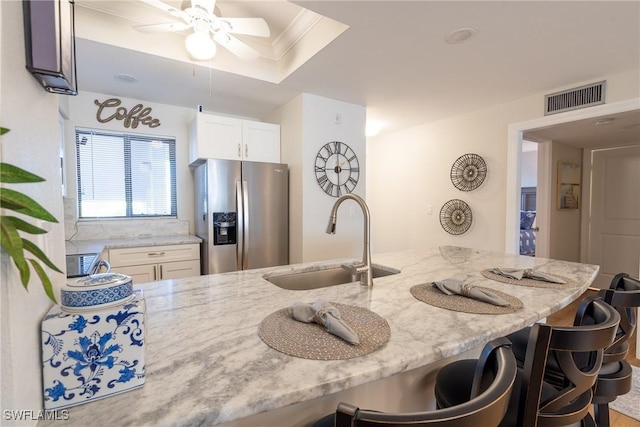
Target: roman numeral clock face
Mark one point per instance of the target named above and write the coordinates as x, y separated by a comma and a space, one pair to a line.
337, 168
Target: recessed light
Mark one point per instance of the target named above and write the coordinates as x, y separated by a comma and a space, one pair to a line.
127, 78
604, 122
460, 35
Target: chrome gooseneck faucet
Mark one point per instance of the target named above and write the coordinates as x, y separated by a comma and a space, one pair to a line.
364, 269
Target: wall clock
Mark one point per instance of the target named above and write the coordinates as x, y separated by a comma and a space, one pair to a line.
337, 168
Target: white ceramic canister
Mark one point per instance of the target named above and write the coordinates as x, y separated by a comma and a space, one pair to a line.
93, 344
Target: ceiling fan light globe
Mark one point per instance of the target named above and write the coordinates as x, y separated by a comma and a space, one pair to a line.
200, 46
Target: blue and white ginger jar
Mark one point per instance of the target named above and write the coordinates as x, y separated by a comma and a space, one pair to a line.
93, 345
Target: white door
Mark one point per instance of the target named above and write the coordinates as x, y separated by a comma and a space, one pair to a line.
614, 213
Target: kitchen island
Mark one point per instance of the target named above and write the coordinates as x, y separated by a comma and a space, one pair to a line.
206, 364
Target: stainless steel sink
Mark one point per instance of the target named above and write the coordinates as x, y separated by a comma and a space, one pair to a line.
305, 280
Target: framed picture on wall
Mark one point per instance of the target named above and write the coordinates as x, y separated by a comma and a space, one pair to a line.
568, 193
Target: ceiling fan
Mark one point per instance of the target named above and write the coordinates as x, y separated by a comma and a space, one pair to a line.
209, 28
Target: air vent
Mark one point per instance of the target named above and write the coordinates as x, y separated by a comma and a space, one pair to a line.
574, 99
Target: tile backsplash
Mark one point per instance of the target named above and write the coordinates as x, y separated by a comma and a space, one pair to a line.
116, 228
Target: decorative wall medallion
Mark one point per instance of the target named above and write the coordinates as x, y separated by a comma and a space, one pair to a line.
468, 172
456, 217
337, 168
139, 114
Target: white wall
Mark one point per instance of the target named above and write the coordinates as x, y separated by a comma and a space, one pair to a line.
564, 224
307, 123
319, 128
174, 122
289, 117
529, 169
409, 171
33, 143
409, 174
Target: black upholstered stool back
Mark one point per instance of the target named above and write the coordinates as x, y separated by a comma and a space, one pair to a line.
615, 376
577, 352
623, 295
493, 376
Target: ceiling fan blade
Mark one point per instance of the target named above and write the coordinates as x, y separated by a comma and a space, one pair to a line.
208, 5
235, 46
168, 8
249, 26
161, 28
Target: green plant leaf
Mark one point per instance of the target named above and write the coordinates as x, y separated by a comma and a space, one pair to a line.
12, 244
23, 225
46, 283
3, 130
10, 226
31, 247
10, 239
16, 201
13, 174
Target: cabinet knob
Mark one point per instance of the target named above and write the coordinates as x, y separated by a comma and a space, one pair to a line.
239, 150
246, 150
156, 253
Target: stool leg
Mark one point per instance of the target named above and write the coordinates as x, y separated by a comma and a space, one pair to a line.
601, 412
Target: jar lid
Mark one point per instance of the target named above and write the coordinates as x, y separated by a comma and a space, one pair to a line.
97, 291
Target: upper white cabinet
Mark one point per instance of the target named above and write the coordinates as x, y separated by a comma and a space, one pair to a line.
261, 142
219, 137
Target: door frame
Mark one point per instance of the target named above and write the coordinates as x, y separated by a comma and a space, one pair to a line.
514, 149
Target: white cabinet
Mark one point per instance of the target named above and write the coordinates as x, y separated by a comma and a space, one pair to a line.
219, 137
261, 142
147, 264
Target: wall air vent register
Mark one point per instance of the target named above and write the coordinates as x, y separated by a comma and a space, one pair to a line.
574, 99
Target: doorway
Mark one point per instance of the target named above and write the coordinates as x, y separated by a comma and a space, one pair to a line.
528, 198
544, 127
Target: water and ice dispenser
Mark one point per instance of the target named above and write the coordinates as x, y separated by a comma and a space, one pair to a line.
224, 228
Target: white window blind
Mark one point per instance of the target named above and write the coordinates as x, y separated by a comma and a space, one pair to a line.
125, 175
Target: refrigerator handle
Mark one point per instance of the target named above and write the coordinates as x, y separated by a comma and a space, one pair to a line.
240, 225
245, 225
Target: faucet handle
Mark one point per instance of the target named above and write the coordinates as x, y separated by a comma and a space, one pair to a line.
360, 268
356, 268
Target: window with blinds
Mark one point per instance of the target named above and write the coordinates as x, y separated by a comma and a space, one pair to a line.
125, 175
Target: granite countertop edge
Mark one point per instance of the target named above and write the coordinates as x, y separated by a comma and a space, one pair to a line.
73, 247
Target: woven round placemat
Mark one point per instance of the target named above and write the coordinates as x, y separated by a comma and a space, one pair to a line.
311, 341
432, 296
530, 282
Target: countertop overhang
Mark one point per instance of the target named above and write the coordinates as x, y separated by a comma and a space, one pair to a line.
205, 363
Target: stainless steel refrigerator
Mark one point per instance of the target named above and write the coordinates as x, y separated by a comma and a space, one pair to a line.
242, 214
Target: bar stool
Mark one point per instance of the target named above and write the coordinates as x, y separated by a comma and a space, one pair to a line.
578, 350
492, 383
614, 378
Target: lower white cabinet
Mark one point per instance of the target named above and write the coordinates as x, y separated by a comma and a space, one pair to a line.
147, 264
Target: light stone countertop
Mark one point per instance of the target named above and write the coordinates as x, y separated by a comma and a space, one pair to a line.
206, 364
73, 247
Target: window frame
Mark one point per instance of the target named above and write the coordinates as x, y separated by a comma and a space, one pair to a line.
127, 138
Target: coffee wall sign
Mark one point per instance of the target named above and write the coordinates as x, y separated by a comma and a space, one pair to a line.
137, 115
